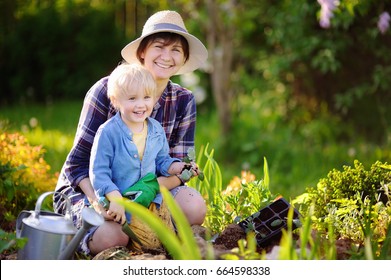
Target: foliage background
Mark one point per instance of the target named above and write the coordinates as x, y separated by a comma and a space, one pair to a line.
308, 99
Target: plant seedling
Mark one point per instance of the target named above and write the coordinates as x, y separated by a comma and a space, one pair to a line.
187, 171
276, 223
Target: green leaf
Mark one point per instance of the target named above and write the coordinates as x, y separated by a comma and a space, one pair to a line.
266, 178
191, 154
185, 233
166, 236
181, 247
201, 176
276, 223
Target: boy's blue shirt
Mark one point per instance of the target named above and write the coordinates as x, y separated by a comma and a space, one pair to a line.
115, 163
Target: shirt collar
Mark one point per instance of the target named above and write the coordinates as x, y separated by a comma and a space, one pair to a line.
162, 98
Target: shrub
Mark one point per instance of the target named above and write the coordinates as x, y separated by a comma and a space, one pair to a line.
24, 174
355, 201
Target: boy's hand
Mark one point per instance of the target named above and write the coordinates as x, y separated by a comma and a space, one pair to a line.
116, 212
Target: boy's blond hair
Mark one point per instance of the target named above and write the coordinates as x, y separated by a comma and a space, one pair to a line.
127, 78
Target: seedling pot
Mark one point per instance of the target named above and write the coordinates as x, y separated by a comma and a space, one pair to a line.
268, 222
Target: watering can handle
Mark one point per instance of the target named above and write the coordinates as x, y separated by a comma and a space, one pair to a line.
44, 195
21, 216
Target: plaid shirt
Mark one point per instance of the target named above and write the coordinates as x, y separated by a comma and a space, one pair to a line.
175, 110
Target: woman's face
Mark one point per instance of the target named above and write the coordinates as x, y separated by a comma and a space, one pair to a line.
163, 60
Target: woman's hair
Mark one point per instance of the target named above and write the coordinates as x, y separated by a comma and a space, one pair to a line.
127, 78
168, 38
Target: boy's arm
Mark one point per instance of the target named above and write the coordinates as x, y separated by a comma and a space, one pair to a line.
86, 187
169, 182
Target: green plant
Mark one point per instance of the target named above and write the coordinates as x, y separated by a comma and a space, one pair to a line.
241, 198
310, 245
24, 174
373, 249
252, 196
245, 196
355, 202
210, 188
186, 173
9, 242
181, 246
374, 228
211, 185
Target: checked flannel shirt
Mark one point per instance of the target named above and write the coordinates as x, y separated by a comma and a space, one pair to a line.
175, 110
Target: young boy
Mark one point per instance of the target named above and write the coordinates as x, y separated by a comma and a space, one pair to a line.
130, 145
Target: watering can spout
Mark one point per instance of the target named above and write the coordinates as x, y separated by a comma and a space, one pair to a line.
90, 218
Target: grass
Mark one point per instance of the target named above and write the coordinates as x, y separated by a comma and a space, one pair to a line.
52, 126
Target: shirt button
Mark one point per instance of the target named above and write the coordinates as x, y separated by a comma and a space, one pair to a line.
135, 156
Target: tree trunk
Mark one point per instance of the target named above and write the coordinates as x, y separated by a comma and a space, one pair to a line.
220, 35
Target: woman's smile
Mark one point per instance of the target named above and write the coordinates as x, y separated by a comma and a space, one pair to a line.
163, 65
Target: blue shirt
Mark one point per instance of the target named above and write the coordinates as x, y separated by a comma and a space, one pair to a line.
115, 163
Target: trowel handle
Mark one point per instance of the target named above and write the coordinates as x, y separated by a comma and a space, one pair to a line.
44, 195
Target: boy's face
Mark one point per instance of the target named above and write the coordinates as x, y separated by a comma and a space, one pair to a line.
135, 107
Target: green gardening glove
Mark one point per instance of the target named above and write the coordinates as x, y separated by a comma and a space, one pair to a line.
144, 191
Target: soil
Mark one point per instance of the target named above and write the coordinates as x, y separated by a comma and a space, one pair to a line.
223, 244
229, 237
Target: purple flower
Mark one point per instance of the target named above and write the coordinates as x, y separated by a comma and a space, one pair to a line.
384, 22
326, 12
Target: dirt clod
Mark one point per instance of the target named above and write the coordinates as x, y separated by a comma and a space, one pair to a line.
343, 246
230, 236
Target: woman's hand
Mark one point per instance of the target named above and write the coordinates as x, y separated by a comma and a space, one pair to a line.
194, 169
177, 167
100, 209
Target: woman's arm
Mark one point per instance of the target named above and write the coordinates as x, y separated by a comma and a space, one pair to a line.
96, 110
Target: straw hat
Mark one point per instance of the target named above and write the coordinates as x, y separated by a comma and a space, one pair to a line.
169, 21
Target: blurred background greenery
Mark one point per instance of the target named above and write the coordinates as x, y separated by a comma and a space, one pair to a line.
277, 84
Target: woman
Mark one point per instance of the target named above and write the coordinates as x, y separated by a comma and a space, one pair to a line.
166, 49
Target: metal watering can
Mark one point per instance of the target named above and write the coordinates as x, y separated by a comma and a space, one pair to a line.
50, 235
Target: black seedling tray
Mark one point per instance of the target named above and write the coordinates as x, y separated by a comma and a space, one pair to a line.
268, 222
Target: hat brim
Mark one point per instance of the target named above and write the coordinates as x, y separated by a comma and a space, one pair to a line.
198, 53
